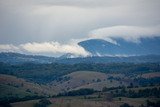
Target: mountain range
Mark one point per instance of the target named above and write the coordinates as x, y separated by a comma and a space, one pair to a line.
145, 46
17, 58
102, 51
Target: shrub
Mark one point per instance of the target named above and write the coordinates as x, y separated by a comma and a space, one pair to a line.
125, 105
42, 103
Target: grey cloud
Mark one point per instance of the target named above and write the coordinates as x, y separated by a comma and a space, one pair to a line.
27, 21
128, 33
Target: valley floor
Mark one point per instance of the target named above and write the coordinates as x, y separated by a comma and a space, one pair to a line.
81, 102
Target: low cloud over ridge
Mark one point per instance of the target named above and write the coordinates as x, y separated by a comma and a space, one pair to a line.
128, 33
45, 47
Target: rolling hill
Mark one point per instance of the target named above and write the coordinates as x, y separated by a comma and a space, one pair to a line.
87, 79
17, 58
17, 86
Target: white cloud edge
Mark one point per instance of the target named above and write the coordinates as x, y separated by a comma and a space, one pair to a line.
128, 33
45, 47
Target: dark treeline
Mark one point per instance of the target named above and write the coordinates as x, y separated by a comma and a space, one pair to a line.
79, 92
43, 103
118, 92
105, 89
42, 73
7, 100
126, 105
152, 104
149, 81
141, 93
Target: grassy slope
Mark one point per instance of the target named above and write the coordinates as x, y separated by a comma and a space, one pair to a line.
21, 84
151, 75
25, 103
79, 79
9, 91
79, 101
87, 79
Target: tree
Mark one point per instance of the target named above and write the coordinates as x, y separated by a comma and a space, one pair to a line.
104, 89
42, 103
120, 98
108, 96
131, 85
98, 80
125, 105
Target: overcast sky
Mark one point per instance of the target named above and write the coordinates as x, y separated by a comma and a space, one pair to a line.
55, 26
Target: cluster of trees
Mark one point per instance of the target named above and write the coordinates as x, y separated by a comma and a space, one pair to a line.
66, 78
7, 100
122, 91
152, 104
148, 92
5, 105
126, 105
105, 89
79, 92
42, 73
145, 82
43, 103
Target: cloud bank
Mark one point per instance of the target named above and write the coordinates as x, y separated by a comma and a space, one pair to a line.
25, 25
54, 47
46, 47
128, 33
8, 48
25, 21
